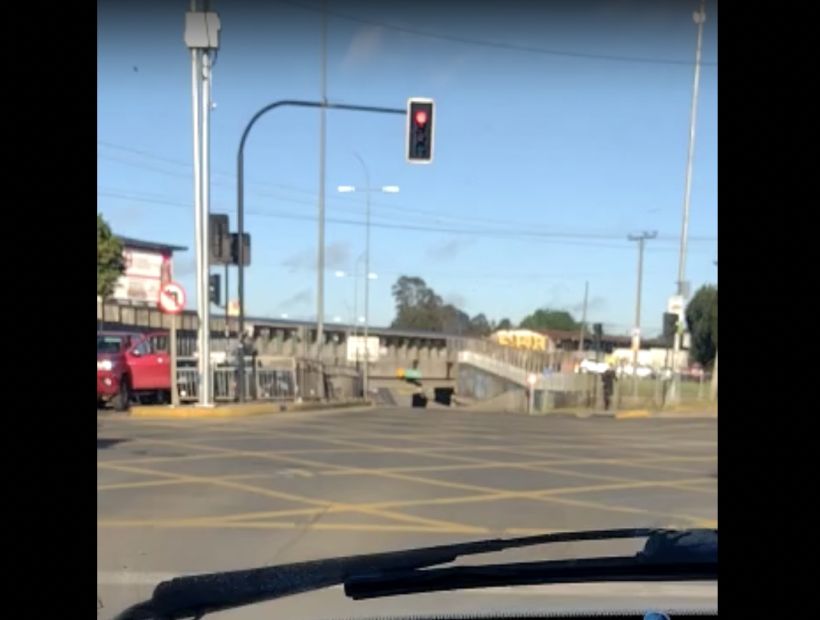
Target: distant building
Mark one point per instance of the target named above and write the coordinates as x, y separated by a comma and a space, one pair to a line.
148, 265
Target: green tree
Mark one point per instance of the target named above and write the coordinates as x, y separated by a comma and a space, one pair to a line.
419, 307
701, 321
480, 326
545, 318
110, 263
504, 323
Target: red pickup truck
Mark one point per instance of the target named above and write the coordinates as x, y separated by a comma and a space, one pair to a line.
132, 364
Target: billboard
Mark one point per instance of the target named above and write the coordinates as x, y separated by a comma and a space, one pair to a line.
145, 273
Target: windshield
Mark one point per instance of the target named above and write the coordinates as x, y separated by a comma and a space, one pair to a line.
405, 274
110, 344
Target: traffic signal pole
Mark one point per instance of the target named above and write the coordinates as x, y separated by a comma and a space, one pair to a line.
240, 192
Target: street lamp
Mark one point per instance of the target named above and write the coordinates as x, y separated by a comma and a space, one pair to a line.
367, 189
355, 274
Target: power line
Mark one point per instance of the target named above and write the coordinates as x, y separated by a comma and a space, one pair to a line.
551, 238
501, 45
403, 210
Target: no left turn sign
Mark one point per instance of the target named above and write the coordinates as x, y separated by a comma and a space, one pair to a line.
172, 298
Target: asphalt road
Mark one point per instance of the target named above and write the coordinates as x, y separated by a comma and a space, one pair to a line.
188, 496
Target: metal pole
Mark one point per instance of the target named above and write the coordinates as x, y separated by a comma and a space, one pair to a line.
636, 346
240, 284
240, 186
583, 320
714, 383
198, 245
227, 304
641, 239
205, 393
366, 276
173, 352
699, 18
320, 266
356, 309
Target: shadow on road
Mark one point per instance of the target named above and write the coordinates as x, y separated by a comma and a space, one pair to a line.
102, 444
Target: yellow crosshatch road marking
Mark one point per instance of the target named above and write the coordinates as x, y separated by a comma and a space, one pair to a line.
498, 493
535, 453
171, 481
377, 471
517, 451
293, 497
331, 527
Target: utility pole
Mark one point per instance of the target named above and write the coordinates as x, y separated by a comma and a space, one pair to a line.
636, 335
699, 18
320, 263
583, 320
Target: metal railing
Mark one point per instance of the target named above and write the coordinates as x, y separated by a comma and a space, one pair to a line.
529, 361
301, 380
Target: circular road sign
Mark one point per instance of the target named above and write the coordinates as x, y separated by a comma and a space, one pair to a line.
171, 298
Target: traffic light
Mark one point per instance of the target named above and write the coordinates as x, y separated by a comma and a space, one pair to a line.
419, 130
214, 286
235, 248
670, 326
219, 242
598, 330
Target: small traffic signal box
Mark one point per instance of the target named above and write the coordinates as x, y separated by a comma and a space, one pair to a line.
420, 130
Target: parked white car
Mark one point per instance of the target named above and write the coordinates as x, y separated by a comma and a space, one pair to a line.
643, 372
592, 366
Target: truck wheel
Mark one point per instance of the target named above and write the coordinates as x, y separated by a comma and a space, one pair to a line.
123, 397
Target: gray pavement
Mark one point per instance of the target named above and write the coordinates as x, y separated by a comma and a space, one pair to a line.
189, 496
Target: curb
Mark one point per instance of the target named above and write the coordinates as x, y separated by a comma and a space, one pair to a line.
630, 414
237, 410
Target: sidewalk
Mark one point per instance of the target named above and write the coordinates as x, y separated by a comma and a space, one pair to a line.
627, 414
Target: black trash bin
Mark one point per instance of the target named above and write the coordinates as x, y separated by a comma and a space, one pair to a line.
443, 395
419, 400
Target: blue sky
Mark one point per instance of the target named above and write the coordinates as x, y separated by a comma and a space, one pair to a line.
544, 162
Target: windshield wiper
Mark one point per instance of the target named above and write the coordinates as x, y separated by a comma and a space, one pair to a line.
668, 555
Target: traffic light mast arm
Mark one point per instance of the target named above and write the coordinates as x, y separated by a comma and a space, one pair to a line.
240, 190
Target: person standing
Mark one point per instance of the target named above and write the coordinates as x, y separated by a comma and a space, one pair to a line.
608, 383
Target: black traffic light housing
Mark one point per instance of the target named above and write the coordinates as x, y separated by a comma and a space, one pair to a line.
420, 130
219, 239
670, 327
235, 249
214, 286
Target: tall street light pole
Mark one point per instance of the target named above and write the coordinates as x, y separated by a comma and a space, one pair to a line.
320, 269
636, 335
202, 38
699, 18
389, 189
